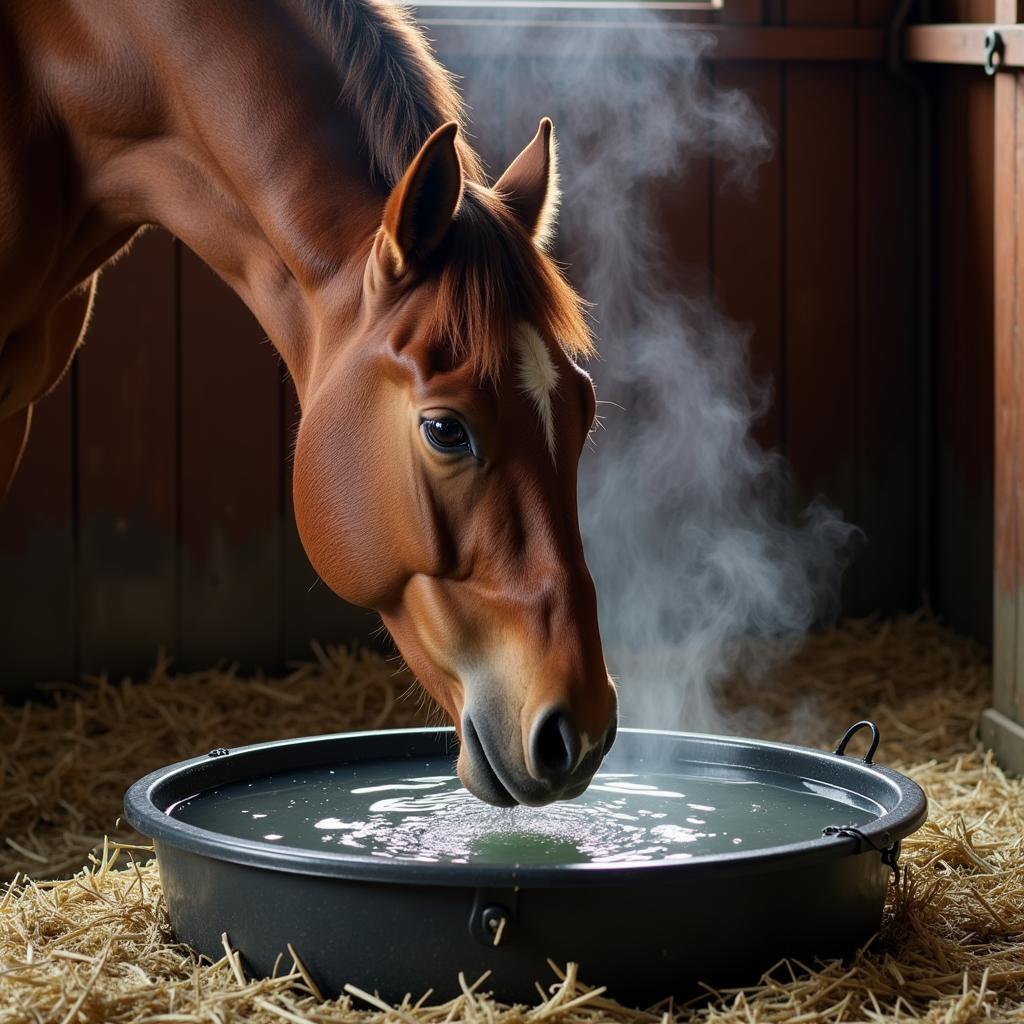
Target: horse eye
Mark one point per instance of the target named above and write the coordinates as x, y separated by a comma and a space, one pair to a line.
447, 435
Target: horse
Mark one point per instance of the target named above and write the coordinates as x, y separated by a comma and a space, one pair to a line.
314, 154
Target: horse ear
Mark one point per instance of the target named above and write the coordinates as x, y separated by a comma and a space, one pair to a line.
530, 185
419, 210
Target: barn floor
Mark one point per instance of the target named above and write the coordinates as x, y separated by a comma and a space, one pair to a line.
94, 948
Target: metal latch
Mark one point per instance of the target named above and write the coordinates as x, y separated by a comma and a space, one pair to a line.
995, 51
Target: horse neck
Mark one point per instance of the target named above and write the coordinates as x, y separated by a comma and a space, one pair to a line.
237, 145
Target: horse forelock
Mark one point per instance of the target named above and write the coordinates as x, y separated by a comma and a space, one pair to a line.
491, 279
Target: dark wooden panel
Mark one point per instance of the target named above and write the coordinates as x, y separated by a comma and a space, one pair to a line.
817, 12
875, 12
886, 343
128, 455
821, 41
37, 553
963, 10
964, 328
231, 559
821, 388
747, 246
742, 12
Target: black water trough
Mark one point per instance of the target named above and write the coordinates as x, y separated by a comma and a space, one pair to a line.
646, 928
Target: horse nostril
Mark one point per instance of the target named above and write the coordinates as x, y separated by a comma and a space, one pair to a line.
556, 747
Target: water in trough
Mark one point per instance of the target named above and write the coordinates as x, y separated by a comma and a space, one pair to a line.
415, 809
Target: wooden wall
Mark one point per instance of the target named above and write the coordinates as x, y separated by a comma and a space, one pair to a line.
153, 506
962, 387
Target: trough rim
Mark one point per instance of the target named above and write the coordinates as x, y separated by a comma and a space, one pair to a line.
146, 801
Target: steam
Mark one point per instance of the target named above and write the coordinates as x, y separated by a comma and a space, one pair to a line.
702, 564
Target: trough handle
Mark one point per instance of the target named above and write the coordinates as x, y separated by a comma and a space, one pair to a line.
884, 844
855, 728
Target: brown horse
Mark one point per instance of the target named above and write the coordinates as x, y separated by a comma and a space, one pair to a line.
310, 152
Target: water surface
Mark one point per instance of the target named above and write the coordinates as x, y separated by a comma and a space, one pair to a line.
416, 809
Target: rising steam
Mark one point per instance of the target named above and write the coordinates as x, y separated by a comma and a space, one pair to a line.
702, 564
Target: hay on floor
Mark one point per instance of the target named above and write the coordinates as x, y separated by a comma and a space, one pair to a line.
96, 947
64, 768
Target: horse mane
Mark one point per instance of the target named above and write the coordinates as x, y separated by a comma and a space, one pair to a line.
490, 275
393, 82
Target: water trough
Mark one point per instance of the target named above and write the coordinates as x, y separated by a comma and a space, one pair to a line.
692, 859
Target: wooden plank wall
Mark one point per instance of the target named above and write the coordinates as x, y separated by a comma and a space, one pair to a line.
153, 508
963, 319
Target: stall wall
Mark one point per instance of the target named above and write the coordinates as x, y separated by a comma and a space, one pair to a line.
963, 382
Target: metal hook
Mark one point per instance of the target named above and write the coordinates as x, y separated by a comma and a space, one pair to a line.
994, 49
889, 850
855, 728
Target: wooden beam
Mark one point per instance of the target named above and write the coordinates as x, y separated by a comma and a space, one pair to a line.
1003, 724
672, 6
526, 37
962, 44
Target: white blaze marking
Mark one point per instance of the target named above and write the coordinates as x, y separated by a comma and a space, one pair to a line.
538, 377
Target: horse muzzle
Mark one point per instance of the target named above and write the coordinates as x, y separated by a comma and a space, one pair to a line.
557, 761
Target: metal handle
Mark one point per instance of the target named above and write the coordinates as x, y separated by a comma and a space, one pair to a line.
884, 845
853, 730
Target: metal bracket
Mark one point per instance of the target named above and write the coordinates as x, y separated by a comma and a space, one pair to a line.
884, 845
995, 51
491, 919
855, 728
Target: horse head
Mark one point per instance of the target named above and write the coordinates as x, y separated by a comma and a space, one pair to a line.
436, 463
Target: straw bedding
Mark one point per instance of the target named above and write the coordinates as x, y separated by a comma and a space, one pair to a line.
95, 947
